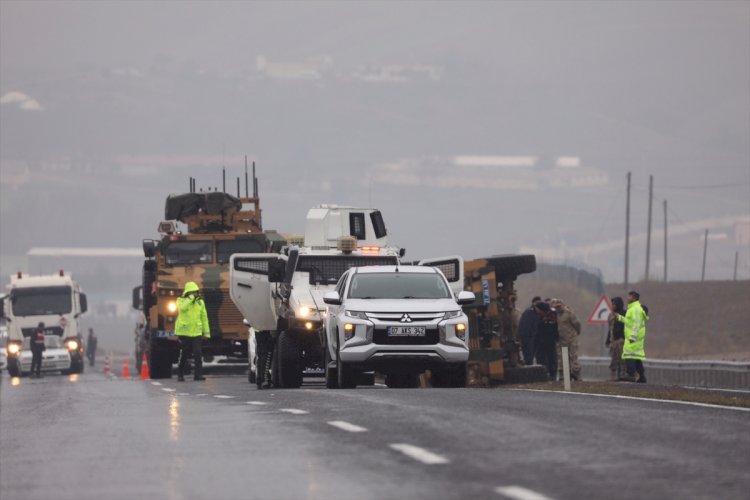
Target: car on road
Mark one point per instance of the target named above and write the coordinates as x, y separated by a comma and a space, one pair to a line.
399, 321
55, 358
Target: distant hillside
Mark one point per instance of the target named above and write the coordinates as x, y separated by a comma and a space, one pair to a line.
689, 320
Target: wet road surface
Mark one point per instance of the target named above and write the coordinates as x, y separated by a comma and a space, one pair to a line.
92, 436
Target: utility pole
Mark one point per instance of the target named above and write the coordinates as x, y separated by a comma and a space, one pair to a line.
705, 248
627, 232
736, 256
665, 241
648, 231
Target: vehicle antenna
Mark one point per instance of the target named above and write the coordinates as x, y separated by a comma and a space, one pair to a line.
238, 186
224, 179
246, 194
255, 183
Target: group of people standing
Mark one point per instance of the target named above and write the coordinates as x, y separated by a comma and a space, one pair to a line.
545, 328
549, 325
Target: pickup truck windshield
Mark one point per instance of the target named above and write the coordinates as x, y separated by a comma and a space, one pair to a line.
189, 252
41, 300
398, 286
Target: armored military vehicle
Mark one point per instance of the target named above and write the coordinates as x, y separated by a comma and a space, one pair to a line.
218, 225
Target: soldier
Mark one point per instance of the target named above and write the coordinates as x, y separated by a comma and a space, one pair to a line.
615, 340
191, 326
569, 328
91, 344
546, 338
527, 327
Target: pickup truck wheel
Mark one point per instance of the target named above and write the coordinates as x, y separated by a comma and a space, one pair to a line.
332, 380
344, 373
290, 372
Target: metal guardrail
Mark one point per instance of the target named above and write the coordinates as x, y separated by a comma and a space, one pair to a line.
711, 374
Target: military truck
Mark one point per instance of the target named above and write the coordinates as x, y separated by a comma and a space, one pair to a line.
218, 226
284, 293
494, 346
56, 300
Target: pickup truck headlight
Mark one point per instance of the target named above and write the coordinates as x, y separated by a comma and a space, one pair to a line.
461, 331
356, 314
452, 314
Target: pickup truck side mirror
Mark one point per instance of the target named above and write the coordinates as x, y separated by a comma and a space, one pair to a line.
465, 297
332, 298
84, 303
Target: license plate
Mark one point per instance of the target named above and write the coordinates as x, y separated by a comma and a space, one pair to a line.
406, 331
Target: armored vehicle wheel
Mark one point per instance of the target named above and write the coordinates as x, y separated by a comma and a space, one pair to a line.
402, 380
160, 363
513, 265
290, 372
525, 375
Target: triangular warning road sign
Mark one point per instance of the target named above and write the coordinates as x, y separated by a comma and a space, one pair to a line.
601, 312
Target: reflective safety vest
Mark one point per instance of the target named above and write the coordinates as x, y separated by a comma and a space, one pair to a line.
635, 331
192, 319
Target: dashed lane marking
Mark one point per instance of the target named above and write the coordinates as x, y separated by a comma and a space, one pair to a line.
183, 394
155, 383
223, 396
346, 426
294, 411
520, 493
168, 389
419, 454
257, 403
202, 394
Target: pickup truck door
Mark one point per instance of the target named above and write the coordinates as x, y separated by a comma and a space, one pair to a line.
251, 290
452, 267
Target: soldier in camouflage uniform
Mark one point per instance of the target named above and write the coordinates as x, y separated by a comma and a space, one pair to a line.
569, 328
615, 340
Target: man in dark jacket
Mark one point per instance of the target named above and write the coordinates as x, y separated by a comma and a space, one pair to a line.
546, 338
36, 342
527, 328
91, 343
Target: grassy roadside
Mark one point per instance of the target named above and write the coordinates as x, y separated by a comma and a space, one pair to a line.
675, 393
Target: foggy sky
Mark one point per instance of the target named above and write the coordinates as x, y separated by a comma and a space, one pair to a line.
121, 89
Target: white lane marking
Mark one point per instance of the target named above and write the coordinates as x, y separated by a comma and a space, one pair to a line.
155, 383
420, 454
616, 396
222, 396
202, 394
346, 426
257, 403
520, 493
183, 394
294, 411
167, 389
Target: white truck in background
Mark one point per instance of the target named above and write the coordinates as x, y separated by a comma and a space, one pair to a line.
55, 300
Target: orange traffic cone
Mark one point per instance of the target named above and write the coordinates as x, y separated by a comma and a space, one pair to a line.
125, 370
144, 369
106, 365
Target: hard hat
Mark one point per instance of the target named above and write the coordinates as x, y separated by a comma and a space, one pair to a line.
190, 286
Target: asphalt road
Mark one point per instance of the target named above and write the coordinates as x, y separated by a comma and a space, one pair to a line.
92, 436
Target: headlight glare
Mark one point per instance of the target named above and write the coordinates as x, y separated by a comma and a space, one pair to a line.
172, 306
72, 345
461, 331
14, 349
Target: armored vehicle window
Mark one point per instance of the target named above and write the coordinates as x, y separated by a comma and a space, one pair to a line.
327, 269
357, 225
378, 224
189, 252
39, 300
398, 286
225, 249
